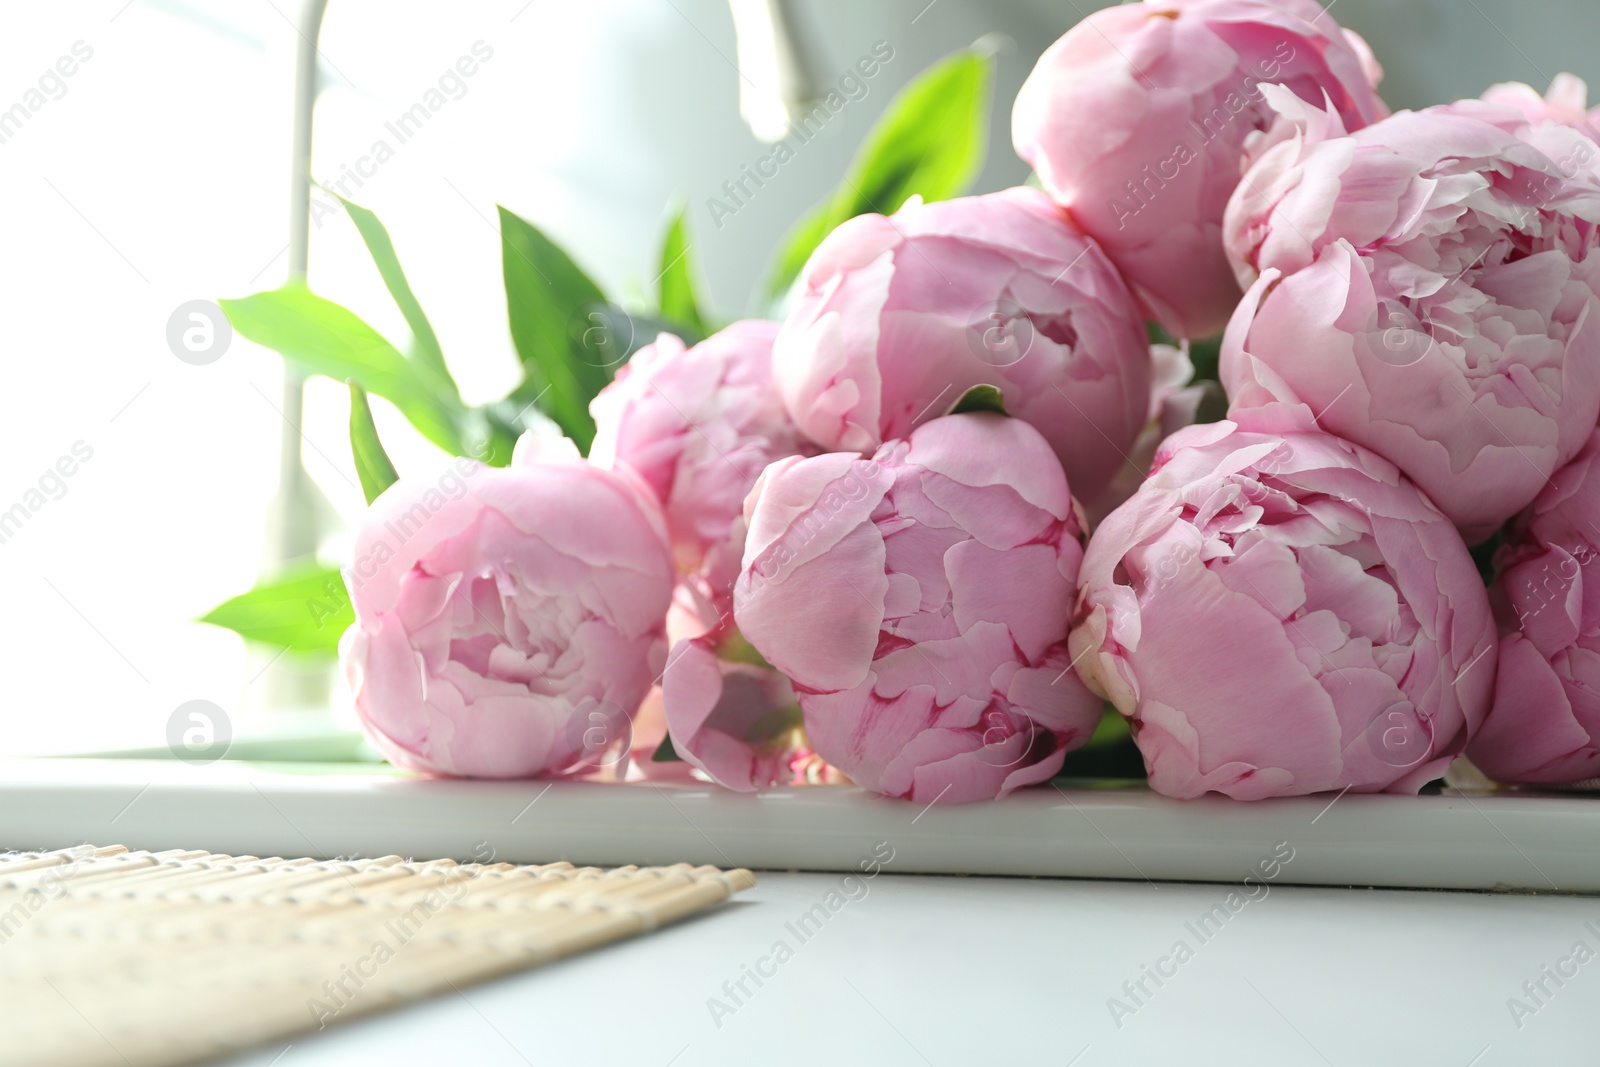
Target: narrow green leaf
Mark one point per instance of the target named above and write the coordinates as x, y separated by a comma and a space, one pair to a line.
979, 398
304, 610
372, 462
491, 432
665, 753
567, 349
930, 142
425, 350
322, 337
676, 297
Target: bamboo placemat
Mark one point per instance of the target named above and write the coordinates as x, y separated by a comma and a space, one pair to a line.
116, 957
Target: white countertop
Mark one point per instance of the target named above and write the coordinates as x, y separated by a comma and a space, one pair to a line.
1458, 841
922, 970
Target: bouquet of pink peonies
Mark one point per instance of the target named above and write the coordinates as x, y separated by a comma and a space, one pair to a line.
973, 500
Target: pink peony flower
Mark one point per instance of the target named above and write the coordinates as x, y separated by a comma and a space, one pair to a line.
1280, 612
1566, 102
1174, 404
899, 316
1137, 120
1428, 285
699, 425
508, 620
918, 600
645, 736
1545, 723
738, 722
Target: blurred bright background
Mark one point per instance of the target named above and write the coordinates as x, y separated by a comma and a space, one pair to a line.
158, 173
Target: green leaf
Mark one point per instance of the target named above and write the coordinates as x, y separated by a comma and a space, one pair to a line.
979, 398
491, 432
1110, 759
930, 142
568, 350
372, 462
1206, 355
1112, 729
676, 297
426, 353
1157, 335
304, 610
1483, 555
321, 337
665, 753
